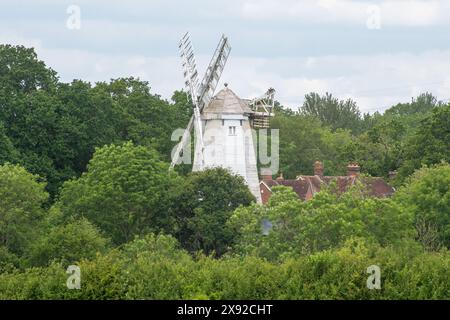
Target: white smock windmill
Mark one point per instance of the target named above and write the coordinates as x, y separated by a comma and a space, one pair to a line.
222, 123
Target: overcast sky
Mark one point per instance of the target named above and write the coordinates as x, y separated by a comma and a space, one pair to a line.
376, 52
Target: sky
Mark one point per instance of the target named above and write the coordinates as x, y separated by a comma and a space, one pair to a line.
378, 53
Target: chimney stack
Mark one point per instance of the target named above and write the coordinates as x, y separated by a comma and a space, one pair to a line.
353, 169
318, 168
280, 177
266, 174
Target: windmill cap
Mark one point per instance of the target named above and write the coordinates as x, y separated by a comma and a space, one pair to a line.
227, 102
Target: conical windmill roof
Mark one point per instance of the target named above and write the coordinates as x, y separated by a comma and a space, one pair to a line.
226, 102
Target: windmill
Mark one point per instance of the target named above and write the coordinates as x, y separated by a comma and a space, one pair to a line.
222, 123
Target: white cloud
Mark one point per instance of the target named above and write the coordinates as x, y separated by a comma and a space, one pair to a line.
393, 12
376, 81
16, 39
414, 13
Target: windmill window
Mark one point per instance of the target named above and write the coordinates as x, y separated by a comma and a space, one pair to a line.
232, 131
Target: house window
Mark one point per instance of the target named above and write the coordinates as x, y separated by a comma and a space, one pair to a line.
241, 123
232, 131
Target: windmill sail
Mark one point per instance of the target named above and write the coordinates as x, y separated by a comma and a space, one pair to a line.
191, 82
214, 71
200, 94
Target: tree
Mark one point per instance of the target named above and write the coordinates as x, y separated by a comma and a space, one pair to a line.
426, 195
22, 73
382, 146
27, 87
202, 206
8, 260
267, 231
55, 127
21, 198
332, 112
301, 143
324, 222
68, 243
89, 118
8, 152
123, 192
429, 145
423, 104
149, 120
153, 267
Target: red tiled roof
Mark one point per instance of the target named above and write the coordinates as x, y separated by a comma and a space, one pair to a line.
377, 186
299, 187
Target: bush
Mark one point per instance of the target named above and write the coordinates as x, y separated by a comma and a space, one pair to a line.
22, 196
154, 267
68, 243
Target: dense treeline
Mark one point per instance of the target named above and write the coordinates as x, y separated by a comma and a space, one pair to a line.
405, 137
52, 128
154, 268
84, 180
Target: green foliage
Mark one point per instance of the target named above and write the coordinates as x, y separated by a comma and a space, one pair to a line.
103, 151
430, 144
154, 268
324, 222
22, 72
7, 151
403, 138
427, 197
21, 198
57, 126
202, 204
302, 141
68, 243
332, 112
341, 274
123, 192
421, 105
8, 261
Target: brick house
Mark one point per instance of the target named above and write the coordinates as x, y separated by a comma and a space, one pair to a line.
306, 186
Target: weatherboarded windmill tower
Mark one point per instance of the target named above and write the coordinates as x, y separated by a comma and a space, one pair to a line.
222, 123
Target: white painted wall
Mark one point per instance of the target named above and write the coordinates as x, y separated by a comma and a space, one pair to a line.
234, 152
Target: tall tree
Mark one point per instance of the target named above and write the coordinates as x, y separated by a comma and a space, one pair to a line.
430, 144
202, 205
123, 192
427, 196
333, 112
22, 73
424, 103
